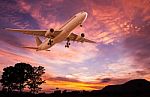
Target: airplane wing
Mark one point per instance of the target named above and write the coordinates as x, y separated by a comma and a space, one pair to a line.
74, 37
33, 32
30, 32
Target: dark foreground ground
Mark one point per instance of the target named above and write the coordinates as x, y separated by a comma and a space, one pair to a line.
133, 88
76, 94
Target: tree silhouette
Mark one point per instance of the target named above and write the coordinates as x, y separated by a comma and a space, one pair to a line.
22, 71
35, 79
22, 75
8, 78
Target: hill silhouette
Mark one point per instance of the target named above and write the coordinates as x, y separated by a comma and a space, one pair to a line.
132, 88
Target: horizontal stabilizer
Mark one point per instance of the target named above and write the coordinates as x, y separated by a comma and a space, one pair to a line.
34, 48
30, 47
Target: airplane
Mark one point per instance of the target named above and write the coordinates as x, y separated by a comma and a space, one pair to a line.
56, 36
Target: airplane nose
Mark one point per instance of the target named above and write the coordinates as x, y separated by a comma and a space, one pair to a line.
85, 14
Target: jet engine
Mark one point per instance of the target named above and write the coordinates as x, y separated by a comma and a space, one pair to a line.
49, 32
80, 38
82, 35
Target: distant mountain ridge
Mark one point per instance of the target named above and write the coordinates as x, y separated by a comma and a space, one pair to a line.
132, 86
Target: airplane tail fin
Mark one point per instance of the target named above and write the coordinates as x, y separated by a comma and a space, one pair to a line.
38, 41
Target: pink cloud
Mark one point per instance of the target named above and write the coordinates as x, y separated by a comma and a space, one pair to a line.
106, 24
35, 12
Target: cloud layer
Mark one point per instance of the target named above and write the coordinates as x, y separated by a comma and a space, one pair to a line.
120, 28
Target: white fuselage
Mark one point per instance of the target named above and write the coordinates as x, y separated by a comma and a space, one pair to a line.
66, 29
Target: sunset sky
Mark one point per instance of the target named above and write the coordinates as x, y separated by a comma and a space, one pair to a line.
121, 29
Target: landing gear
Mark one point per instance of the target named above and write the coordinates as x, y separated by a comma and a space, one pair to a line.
68, 43
50, 41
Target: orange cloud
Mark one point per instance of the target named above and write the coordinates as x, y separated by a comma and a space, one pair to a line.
105, 24
75, 85
115, 20
72, 84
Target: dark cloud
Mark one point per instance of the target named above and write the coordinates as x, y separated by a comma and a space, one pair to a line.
9, 38
12, 17
105, 14
62, 79
113, 80
144, 72
61, 10
105, 80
